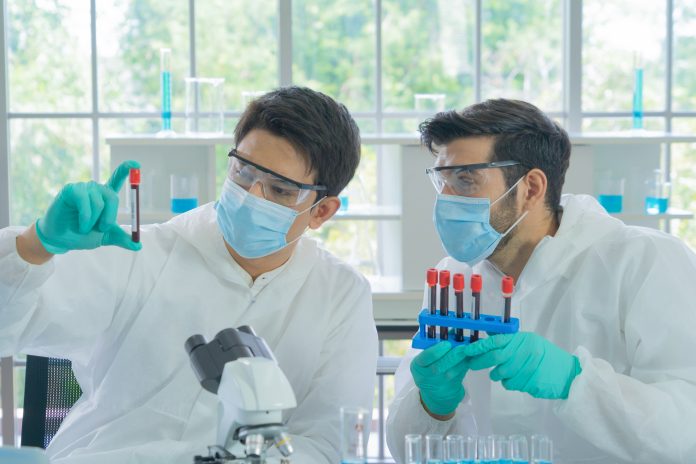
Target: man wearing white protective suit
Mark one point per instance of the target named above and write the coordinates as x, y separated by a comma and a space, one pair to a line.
121, 314
604, 360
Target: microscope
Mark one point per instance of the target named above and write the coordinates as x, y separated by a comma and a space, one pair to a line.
240, 368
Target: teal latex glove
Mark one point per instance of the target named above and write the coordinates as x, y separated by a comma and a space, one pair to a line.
526, 362
438, 372
83, 216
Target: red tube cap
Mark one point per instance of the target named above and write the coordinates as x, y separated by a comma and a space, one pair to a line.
444, 278
135, 176
476, 283
508, 285
458, 282
431, 277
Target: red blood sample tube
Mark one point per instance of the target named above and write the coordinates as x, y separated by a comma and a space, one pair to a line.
135, 204
458, 284
444, 300
476, 286
508, 287
431, 280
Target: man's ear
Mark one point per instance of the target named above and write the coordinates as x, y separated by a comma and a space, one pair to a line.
536, 183
324, 211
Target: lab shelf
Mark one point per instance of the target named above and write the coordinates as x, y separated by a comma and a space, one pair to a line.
413, 138
146, 217
374, 213
369, 214
177, 139
671, 213
578, 138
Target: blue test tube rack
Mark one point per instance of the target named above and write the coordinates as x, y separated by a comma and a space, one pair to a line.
486, 323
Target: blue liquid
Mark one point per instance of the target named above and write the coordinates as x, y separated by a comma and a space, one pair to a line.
434, 461
655, 205
166, 101
344, 203
504, 461
612, 203
353, 461
181, 205
638, 99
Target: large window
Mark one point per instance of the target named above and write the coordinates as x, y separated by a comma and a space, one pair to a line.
80, 70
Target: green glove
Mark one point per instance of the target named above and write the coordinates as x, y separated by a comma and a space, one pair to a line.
526, 362
83, 216
438, 372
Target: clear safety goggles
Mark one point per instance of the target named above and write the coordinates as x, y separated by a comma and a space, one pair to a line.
465, 179
275, 187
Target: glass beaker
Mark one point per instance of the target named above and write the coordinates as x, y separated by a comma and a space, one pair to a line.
498, 449
542, 449
469, 451
519, 449
429, 102
454, 449
414, 449
355, 431
657, 198
611, 192
183, 192
433, 449
204, 105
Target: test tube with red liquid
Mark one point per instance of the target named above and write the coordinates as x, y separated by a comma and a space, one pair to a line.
135, 204
444, 301
431, 280
508, 285
476, 286
458, 284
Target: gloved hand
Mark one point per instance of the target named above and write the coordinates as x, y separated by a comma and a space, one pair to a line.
83, 216
438, 372
526, 362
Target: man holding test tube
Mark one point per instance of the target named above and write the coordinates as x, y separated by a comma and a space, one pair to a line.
604, 361
122, 313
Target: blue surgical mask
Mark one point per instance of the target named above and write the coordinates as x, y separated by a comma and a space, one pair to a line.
253, 226
463, 224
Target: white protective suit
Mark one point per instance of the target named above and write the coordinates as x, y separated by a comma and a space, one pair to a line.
122, 319
623, 300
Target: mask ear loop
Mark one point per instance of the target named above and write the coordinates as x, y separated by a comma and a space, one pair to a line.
508, 191
523, 214
306, 227
515, 223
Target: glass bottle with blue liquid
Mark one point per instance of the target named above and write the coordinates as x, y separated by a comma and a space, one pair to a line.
183, 192
637, 91
658, 191
166, 92
611, 192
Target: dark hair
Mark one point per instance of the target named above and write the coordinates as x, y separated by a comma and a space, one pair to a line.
521, 133
317, 126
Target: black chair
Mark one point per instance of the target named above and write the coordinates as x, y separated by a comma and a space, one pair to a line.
50, 390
